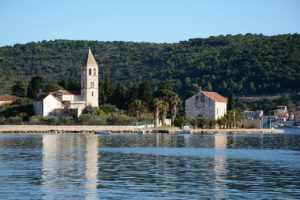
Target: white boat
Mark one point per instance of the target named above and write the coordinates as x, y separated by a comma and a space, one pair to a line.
185, 130
103, 132
140, 131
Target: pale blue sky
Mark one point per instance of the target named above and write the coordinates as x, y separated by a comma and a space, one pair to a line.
23, 21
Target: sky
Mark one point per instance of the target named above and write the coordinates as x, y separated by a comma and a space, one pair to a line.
159, 21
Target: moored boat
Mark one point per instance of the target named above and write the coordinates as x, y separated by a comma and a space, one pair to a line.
104, 132
140, 131
185, 130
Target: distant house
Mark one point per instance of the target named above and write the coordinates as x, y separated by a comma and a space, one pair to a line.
210, 105
7, 99
257, 114
281, 114
64, 101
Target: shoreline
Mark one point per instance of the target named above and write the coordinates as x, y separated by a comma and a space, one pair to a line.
91, 129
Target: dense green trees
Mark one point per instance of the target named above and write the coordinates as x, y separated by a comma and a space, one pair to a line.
243, 64
19, 89
37, 83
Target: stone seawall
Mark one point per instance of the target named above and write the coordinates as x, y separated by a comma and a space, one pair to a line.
119, 129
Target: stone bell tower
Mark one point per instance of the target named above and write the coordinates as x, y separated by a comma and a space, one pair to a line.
89, 80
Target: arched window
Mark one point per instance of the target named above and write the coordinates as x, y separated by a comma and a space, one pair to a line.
94, 72
90, 72
92, 94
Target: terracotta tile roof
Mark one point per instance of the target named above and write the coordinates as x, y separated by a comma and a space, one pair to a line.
215, 96
8, 98
64, 92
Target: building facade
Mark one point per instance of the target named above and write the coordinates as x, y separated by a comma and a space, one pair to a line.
64, 101
209, 105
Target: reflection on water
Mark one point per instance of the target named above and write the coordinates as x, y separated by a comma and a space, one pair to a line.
69, 156
150, 166
220, 167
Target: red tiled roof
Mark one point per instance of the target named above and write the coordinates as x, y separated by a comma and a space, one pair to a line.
215, 96
8, 98
64, 92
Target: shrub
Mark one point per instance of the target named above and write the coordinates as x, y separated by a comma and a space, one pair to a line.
36, 120
90, 110
14, 120
108, 108
50, 120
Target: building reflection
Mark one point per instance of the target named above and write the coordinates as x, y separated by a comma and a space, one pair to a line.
70, 164
91, 167
220, 164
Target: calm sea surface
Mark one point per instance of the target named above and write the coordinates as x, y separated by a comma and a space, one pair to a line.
247, 166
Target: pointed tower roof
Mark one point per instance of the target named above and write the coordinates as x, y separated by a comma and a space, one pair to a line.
90, 60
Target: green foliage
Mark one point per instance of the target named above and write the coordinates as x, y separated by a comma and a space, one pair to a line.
90, 110
52, 86
243, 64
21, 108
180, 121
137, 108
108, 108
37, 83
19, 89
231, 103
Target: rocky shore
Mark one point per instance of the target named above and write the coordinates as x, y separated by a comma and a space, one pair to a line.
39, 129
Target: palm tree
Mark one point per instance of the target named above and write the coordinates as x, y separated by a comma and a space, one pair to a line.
164, 106
137, 108
156, 104
174, 101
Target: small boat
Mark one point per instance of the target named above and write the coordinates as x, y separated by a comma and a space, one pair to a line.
140, 132
102, 132
185, 130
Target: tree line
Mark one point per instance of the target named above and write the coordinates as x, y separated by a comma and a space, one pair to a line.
138, 100
250, 64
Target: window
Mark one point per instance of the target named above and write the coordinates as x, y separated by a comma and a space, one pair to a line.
92, 94
94, 72
90, 71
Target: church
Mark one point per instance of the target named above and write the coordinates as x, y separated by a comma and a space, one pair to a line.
209, 105
64, 102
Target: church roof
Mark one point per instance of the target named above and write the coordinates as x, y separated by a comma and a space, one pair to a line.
215, 96
64, 92
90, 60
8, 98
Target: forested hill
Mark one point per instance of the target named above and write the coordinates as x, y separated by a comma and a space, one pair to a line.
245, 64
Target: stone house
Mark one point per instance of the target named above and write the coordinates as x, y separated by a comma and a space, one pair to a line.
209, 105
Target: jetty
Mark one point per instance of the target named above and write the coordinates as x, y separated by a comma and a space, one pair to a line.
48, 129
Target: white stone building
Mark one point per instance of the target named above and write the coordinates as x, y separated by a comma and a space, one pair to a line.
57, 102
209, 105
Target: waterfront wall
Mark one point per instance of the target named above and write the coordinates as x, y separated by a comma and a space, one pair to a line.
119, 129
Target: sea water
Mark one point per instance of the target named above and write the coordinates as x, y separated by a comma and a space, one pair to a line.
151, 166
